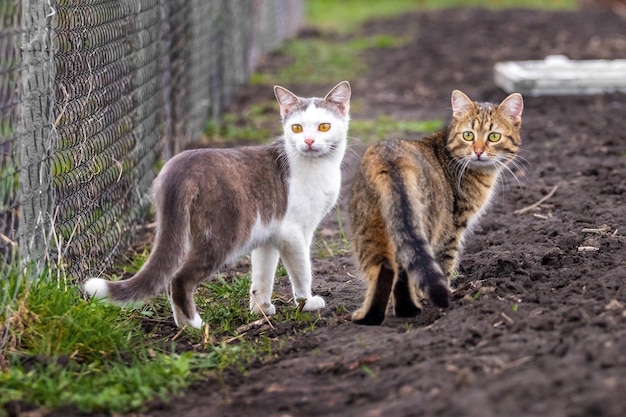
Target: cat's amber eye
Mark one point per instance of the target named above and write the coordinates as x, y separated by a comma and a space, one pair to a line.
324, 127
494, 137
296, 128
468, 135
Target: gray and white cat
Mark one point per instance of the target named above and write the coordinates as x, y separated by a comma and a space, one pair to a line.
214, 205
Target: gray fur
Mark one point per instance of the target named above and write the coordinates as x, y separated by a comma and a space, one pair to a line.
214, 205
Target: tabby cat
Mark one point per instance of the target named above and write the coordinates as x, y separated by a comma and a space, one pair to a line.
413, 202
213, 205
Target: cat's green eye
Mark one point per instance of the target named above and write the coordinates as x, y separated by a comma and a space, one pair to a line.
324, 127
494, 137
296, 128
468, 135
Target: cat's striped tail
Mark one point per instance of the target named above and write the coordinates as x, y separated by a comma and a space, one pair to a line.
414, 255
167, 253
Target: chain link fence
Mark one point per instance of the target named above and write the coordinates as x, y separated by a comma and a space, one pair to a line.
10, 39
92, 94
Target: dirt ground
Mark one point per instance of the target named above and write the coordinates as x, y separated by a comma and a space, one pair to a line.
537, 325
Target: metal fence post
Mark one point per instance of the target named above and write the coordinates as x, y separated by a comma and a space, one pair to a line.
36, 132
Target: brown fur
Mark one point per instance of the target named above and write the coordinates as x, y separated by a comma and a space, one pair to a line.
413, 201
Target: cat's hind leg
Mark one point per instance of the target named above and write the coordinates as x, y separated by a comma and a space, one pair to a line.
264, 262
184, 312
380, 279
405, 299
295, 254
196, 268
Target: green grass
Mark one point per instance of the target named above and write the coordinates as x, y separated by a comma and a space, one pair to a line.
346, 16
9, 183
258, 123
386, 127
315, 61
6, 130
64, 350
106, 386
500, 4
228, 129
225, 303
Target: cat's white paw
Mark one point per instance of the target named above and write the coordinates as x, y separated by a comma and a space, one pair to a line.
196, 323
314, 303
97, 288
268, 308
181, 320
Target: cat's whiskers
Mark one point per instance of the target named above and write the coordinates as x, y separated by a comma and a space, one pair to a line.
460, 167
505, 162
351, 153
510, 160
519, 162
283, 158
354, 139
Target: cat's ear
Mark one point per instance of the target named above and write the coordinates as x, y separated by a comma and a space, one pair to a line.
461, 104
287, 100
512, 107
340, 96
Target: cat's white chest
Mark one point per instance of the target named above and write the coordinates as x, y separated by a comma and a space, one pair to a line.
312, 194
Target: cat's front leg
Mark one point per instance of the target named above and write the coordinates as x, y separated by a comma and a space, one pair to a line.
448, 258
295, 253
264, 261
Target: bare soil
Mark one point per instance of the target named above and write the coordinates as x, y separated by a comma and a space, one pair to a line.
537, 325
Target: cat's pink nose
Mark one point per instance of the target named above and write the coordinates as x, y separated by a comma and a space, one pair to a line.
309, 142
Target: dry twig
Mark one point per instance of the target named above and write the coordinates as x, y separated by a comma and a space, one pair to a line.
263, 312
177, 335
588, 249
244, 328
206, 337
598, 230
538, 203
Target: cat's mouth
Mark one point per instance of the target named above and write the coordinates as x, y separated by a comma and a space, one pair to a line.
482, 162
317, 151
311, 151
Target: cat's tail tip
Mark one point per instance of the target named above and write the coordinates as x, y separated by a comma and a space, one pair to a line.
439, 294
97, 288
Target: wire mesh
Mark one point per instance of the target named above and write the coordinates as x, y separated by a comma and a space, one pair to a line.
204, 81
10, 38
10, 61
108, 110
131, 76
35, 133
177, 60
93, 93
